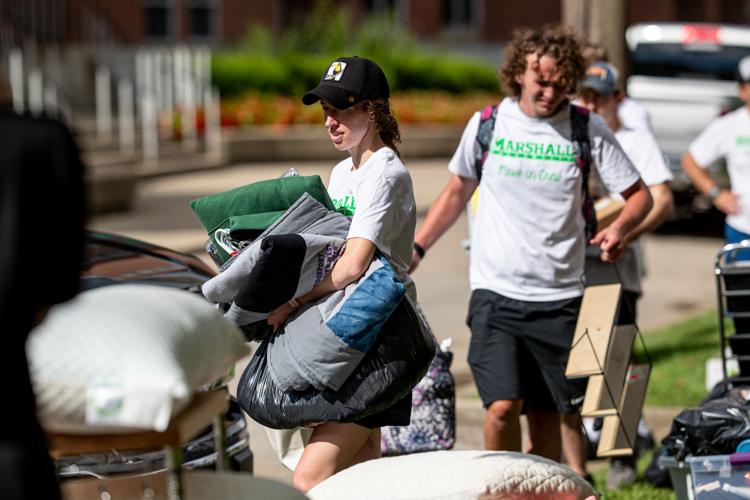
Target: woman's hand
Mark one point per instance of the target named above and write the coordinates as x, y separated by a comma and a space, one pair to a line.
278, 316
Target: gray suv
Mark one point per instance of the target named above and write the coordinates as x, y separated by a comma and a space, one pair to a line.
685, 75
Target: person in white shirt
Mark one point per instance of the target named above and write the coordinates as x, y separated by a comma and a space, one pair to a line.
727, 137
632, 114
375, 189
602, 94
527, 248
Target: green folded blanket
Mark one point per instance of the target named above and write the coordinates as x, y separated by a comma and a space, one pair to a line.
244, 212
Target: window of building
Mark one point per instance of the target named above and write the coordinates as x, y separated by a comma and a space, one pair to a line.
458, 13
202, 16
381, 5
200, 21
157, 18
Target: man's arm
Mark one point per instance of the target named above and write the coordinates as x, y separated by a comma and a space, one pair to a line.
443, 213
723, 199
659, 213
611, 239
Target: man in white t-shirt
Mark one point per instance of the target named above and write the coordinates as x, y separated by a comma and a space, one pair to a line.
726, 137
601, 94
527, 248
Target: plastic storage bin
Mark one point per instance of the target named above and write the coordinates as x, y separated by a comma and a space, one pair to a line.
720, 477
679, 473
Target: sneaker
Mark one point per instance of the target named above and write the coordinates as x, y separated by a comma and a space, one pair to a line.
621, 473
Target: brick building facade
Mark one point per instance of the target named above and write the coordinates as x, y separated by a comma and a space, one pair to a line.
222, 22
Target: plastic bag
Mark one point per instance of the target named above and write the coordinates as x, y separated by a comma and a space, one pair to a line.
396, 362
714, 428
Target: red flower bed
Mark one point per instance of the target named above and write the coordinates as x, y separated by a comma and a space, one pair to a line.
409, 107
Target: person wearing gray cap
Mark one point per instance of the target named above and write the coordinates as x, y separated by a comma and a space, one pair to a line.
727, 137
373, 187
601, 93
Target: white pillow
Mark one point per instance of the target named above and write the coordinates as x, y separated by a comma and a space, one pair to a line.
127, 357
455, 475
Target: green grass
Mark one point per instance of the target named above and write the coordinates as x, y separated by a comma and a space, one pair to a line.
640, 490
679, 353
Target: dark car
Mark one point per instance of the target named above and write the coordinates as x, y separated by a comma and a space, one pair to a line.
111, 260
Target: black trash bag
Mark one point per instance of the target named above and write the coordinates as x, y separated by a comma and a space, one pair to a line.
396, 362
715, 428
737, 391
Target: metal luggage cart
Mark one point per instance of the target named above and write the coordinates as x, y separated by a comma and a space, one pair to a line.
733, 296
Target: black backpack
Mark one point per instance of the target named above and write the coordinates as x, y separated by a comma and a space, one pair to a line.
579, 123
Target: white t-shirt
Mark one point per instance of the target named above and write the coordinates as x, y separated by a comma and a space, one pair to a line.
729, 137
528, 236
641, 147
380, 198
633, 114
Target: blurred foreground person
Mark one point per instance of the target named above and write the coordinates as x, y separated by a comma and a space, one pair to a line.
533, 219
41, 229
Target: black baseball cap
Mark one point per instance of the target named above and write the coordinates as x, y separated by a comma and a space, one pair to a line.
348, 81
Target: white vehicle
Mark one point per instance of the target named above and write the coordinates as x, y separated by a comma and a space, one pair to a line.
685, 75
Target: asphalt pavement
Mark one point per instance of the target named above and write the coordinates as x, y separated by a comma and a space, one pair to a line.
679, 281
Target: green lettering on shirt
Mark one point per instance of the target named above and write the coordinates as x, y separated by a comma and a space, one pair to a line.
532, 150
345, 205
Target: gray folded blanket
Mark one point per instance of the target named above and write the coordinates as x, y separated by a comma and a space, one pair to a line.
323, 342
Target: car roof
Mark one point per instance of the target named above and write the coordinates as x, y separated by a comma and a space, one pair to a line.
693, 35
112, 259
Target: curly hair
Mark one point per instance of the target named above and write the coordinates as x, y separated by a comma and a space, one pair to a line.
382, 114
559, 42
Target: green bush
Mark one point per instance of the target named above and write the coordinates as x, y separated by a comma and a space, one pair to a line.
296, 60
234, 73
432, 72
291, 74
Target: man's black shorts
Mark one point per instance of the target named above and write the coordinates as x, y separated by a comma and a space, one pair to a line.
519, 350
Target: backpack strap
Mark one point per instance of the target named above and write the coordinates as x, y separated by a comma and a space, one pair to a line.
579, 124
484, 137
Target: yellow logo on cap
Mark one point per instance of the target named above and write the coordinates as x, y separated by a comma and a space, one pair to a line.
335, 71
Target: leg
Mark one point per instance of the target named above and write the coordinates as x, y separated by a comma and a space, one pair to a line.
495, 364
370, 450
573, 444
544, 434
502, 427
332, 448
548, 339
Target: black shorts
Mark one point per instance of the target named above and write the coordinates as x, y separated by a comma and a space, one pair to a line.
398, 414
519, 351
